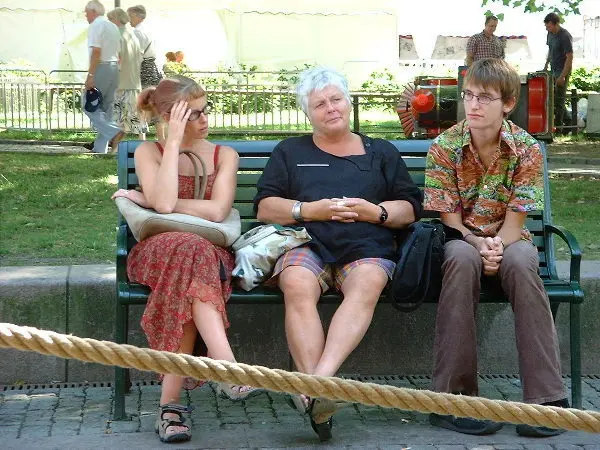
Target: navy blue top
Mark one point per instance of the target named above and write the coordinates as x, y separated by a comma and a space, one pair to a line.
559, 45
299, 170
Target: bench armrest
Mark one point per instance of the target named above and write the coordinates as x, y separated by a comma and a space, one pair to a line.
122, 253
567, 236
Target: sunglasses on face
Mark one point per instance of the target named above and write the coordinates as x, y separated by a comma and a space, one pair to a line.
195, 114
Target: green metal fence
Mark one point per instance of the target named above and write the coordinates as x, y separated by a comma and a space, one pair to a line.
256, 102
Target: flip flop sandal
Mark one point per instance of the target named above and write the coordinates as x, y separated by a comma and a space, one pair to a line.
235, 392
163, 424
321, 417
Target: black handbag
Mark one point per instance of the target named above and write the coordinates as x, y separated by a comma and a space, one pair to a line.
418, 274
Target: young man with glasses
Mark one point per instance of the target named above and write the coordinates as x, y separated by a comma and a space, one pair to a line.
483, 175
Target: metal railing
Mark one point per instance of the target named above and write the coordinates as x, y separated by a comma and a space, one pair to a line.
39, 103
244, 102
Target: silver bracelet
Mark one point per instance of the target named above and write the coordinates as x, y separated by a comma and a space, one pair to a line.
297, 212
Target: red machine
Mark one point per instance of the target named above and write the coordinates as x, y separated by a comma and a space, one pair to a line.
432, 105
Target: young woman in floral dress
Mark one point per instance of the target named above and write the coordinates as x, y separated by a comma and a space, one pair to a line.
189, 276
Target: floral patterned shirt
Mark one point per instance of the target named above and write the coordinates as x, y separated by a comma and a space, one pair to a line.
457, 181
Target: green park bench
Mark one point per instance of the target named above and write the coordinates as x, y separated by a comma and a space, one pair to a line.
253, 157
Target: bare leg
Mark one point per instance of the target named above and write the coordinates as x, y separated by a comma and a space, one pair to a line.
171, 384
209, 322
303, 327
142, 136
353, 317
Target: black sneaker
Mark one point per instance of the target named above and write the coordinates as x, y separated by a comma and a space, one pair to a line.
464, 425
88, 146
537, 432
541, 432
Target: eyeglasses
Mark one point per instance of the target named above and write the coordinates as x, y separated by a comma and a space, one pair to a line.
467, 96
195, 114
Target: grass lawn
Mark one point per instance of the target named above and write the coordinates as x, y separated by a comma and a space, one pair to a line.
56, 209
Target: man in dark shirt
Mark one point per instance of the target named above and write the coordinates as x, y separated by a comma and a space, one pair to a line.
560, 57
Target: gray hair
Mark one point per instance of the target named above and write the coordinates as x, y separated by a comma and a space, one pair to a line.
317, 79
138, 10
118, 15
96, 6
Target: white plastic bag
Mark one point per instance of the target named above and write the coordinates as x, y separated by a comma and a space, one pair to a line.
257, 251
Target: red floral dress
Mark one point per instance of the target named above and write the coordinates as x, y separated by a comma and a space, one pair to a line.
180, 268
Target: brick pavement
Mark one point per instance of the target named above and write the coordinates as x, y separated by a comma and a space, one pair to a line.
79, 416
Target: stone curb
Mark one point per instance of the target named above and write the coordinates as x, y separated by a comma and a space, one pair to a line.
81, 299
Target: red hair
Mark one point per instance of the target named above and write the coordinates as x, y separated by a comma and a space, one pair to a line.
158, 100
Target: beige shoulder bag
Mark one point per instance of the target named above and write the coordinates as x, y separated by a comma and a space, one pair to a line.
147, 222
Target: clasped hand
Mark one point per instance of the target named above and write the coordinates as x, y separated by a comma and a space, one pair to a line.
350, 210
491, 251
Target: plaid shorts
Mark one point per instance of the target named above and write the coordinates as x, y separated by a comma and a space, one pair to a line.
328, 275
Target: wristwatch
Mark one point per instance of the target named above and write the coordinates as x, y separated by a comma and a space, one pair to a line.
384, 214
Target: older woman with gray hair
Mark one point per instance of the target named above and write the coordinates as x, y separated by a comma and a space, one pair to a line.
351, 192
149, 73
130, 60
150, 76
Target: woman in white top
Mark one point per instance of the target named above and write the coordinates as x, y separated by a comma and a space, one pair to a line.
149, 73
130, 60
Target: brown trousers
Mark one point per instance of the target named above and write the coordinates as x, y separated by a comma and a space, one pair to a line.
455, 347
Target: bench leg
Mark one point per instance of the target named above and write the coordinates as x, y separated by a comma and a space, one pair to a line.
554, 309
574, 338
121, 374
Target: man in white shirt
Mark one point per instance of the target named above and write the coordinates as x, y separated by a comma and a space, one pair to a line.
104, 42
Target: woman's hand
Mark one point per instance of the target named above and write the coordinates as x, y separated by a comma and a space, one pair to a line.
355, 210
319, 210
133, 195
178, 120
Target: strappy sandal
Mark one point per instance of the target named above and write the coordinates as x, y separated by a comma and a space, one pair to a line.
236, 392
163, 424
321, 412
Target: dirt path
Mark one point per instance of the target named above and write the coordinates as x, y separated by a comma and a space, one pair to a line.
588, 149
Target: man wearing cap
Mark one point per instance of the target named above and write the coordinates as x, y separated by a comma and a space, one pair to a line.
103, 74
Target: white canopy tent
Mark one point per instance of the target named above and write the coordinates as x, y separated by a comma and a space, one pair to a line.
350, 35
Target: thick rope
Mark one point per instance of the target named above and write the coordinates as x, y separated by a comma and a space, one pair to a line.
110, 353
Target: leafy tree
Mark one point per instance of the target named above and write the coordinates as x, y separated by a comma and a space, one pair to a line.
563, 8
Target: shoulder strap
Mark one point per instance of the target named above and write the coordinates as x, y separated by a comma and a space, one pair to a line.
199, 189
216, 156
149, 44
